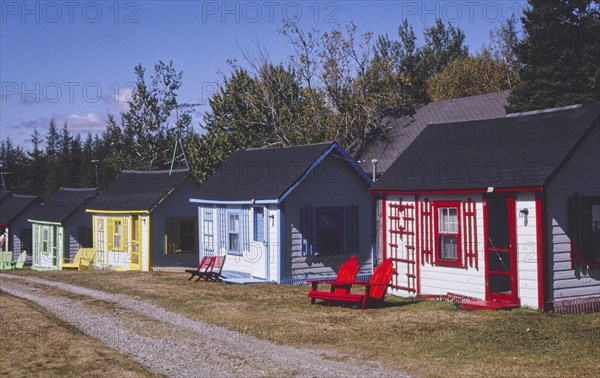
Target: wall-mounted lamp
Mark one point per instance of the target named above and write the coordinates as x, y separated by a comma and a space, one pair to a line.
523, 213
374, 163
272, 216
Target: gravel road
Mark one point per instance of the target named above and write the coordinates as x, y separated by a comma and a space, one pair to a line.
173, 345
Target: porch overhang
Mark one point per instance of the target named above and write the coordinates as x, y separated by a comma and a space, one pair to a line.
44, 222
239, 202
117, 211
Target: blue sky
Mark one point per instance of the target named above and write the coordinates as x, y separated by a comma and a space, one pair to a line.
73, 60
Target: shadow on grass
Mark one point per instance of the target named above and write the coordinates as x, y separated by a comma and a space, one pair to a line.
370, 305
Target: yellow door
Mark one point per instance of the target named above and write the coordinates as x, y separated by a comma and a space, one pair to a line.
135, 262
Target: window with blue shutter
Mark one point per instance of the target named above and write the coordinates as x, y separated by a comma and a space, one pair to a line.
259, 224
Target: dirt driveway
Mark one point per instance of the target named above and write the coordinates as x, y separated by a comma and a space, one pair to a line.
174, 345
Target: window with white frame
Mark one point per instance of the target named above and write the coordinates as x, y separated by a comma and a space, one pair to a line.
447, 235
45, 241
208, 232
233, 232
117, 234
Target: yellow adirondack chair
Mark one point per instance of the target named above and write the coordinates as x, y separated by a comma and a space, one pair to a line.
82, 260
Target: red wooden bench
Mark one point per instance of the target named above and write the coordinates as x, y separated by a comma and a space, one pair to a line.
203, 267
374, 290
343, 281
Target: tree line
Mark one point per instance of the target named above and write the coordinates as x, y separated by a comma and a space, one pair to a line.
335, 85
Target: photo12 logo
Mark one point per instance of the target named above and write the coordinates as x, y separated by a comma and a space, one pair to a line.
461, 11
70, 91
70, 11
269, 11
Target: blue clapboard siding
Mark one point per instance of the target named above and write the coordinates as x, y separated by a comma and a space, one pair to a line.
175, 205
17, 229
334, 183
579, 175
19, 226
71, 228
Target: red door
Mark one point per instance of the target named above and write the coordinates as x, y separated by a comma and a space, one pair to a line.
500, 248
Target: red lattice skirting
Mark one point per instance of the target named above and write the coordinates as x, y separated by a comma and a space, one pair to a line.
449, 297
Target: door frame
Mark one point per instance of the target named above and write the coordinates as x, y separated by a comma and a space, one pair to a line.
57, 250
133, 243
513, 298
260, 267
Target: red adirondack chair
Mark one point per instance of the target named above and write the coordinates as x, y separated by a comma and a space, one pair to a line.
214, 272
203, 267
343, 281
374, 290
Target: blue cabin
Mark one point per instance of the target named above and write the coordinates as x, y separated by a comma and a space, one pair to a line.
287, 214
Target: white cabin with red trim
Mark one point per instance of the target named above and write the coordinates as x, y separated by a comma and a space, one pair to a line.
502, 212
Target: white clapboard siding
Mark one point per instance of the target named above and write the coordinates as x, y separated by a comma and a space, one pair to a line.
527, 250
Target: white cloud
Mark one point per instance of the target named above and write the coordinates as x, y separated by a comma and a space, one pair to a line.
117, 102
94, 123
90, 122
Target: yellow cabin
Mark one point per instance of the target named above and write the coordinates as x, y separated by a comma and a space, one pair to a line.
144, 221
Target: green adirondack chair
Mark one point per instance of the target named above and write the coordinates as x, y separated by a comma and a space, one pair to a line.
6, 260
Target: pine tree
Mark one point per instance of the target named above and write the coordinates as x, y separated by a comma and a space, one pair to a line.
52, 140
88, 179
52, 170
13, 165
65, 163
36, 165
560, 54
76, 160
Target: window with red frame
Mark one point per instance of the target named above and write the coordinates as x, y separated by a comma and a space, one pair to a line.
447, 234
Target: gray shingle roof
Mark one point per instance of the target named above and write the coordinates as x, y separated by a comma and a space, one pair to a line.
521, 150
265, 173
15, 205
62, 203
405, 129
4, 195
139, 190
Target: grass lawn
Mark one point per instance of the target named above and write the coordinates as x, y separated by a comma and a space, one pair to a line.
425, 338
34, 342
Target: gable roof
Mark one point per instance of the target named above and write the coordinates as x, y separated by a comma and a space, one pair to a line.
403, 130
15, 205
4, 195
61, 204
267, 175
138, 190
518, 150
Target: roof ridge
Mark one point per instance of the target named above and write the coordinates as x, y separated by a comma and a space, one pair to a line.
76, 189
541, 111
25, 195
154, 171
513, 115
462, 98
283, 147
